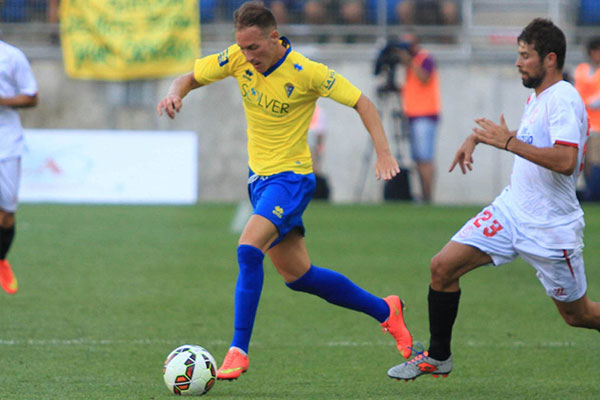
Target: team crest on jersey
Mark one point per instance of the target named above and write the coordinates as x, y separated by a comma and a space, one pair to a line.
289, 88
223, 57
298, 67
330, 80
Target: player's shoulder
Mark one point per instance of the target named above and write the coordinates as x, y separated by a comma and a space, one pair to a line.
13, 56
231, 54
563, 94
309, 69
566, 90
10, 50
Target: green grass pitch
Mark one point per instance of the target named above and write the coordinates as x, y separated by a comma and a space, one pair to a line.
106, 292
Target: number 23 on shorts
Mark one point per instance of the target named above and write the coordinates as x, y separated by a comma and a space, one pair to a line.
490, 227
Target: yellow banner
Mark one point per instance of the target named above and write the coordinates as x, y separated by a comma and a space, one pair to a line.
129, 39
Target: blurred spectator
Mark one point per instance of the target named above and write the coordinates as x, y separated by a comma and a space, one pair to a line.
589, 12
415, 12
422, 105
352, 11
316, 11
427, 12
587, 83
52, 15
286, 11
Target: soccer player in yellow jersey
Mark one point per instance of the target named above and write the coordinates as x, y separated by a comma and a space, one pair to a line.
280, 88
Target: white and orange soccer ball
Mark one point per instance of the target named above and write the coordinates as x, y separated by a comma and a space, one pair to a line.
190, 370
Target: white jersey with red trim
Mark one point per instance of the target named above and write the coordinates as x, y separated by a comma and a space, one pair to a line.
16, 78
541, 201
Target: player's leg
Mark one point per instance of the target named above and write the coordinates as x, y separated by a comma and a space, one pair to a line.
562, 273
258, 234
7, 232
276, 200
292, 261
582, 313
484, 239
10, 171
452, 262
422, 144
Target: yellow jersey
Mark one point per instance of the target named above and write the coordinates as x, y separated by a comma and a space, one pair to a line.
278, 103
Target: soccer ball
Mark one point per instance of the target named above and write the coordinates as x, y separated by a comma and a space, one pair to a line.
189, 370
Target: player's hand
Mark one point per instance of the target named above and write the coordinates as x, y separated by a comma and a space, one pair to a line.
171, 104
464, 155
490, 133
386, 167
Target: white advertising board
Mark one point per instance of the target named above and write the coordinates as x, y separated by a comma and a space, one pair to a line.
97, 166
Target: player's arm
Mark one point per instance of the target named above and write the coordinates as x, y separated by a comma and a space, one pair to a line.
561, 158
180, 87
386, 166
19, 101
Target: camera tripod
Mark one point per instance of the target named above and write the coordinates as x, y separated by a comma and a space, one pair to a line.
389, 105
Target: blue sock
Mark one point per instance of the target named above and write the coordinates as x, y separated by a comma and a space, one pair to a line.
339, 290
247, 294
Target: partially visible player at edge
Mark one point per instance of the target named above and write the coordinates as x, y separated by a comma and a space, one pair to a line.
18, 89
280, 88
537, 216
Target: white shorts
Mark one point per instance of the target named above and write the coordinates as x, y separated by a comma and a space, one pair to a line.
10, 176
561, 271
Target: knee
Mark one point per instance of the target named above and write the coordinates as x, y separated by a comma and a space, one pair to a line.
7, 219
250, 258
439, 270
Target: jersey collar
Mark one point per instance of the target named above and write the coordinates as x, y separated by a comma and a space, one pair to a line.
286, 43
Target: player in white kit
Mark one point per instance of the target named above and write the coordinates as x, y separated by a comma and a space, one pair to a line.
18, 88
537, 216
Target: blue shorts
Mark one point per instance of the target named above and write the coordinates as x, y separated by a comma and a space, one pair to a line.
422, 138
281, 198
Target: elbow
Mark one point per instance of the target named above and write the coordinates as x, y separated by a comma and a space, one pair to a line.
362, 103
566, 168
32, 101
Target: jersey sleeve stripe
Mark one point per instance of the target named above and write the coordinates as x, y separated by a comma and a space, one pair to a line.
567, 143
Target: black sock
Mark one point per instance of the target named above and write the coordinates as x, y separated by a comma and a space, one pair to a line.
443, 308
6, 238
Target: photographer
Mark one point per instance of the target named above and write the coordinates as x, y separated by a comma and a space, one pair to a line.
420, 99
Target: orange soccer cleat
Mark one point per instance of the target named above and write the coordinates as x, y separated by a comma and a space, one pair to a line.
235, 363
396, 327
7, 278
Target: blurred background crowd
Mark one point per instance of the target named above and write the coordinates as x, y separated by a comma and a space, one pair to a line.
354, 12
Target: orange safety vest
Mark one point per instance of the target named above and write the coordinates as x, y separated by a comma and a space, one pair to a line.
588, 86
421, 99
